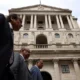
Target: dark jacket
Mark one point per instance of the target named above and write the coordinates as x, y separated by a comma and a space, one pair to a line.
36, 74
19, 68
6, 44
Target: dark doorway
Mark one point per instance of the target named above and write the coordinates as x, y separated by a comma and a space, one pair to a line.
46, 75
41, 39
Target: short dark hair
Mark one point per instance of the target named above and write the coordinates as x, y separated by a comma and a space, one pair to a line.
2, 19
13, 16
36, 61
25, 49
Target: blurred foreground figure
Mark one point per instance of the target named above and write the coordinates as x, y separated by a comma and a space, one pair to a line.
6, 44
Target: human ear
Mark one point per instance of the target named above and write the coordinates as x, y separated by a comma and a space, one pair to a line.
12, 19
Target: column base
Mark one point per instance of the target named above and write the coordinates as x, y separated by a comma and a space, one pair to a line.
32, 29
49, 29
75, 29
62, 29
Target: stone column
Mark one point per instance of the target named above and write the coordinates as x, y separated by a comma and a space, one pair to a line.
35, 22
23, 21
69, 22
77, 70
56, 69
21, 16
61, 21
72, 22
46, 22
58, 23
31, 25
30, 64
50, 25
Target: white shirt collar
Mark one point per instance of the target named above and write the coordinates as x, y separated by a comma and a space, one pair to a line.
22, 56
10, 25
36, 66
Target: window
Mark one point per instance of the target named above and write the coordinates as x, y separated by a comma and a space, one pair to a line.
52, 22
70, 35
40, 22
57, 35
28, 22
25, 35
65, 69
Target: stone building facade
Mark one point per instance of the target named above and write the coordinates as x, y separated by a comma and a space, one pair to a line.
52, 34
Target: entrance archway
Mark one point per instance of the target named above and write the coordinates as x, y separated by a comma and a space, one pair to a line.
41, 39
46, 75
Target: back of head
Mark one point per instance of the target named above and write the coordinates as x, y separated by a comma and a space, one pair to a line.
25, 52
2, 19
4, 29
12, 16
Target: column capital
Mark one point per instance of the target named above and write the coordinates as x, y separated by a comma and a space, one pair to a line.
45, 14
75, 59
55, 60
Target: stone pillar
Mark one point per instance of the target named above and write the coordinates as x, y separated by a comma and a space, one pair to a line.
35, 22
69, 22
72, 22
61, 21
46, 22
58, 23
21, 16
77, 70
50, 25
23, 21
56, 69
30, 64
31, 25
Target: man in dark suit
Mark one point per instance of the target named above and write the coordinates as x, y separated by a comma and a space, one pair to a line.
35, 70
19, 67
6, 44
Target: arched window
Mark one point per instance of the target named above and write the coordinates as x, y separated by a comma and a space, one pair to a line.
57, 35
70, 35
25, 35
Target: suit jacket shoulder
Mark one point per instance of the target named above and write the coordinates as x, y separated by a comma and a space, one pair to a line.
19, 68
